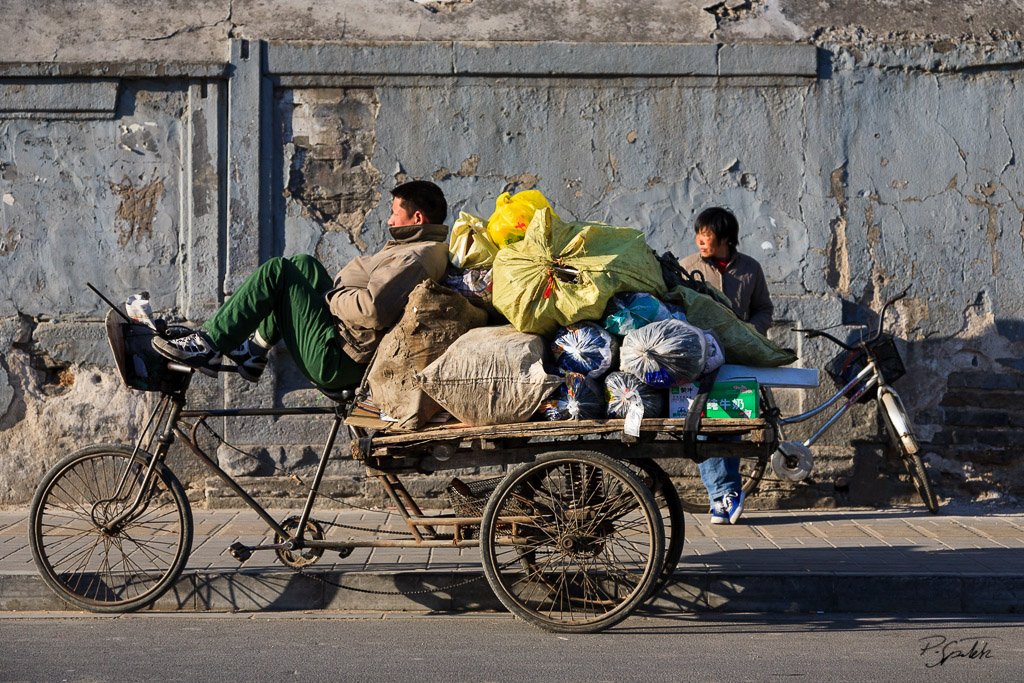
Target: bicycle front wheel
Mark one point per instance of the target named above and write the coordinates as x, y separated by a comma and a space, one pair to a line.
101, 568
903, 439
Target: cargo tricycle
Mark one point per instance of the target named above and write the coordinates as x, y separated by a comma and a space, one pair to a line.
582, 529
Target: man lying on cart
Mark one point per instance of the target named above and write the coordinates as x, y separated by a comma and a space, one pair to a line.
331, 328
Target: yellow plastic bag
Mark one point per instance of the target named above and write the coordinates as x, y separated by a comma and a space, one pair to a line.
513, 214
562, 273
470, 246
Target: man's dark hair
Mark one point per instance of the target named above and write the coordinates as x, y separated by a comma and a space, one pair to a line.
722, 224
425, 197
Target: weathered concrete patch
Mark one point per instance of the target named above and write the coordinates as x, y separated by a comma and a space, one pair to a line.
330, 133
443, 5
93, 407
68, 221
137, 208
54, 99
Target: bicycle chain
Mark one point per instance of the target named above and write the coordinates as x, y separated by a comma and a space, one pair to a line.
353, 527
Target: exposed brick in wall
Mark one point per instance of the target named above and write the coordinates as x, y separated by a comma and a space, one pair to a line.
979, 436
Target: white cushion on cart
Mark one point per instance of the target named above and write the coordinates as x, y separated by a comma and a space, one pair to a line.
771, 377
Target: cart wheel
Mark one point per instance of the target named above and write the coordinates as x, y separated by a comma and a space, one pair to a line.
691, 489
667, 499
572, 542
88, 562
297, 559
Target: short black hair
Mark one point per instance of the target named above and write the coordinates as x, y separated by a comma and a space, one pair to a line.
722, 224
425, 197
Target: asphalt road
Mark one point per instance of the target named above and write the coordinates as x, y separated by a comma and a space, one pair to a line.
323, 646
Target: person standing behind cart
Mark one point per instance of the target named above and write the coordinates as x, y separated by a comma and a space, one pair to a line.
742, 281
330, 328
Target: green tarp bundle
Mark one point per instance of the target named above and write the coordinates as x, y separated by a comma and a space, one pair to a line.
743, 345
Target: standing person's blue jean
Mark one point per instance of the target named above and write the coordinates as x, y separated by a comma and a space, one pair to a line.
721, 476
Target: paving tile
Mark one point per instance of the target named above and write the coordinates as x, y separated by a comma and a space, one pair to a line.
996, 530
840, 531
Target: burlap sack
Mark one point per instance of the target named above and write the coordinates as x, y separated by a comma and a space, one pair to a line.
491, 375
434, 317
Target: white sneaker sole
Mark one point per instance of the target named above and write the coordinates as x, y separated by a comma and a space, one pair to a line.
735, 514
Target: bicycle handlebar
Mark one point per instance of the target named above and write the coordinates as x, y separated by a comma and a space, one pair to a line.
881, 316
812, 333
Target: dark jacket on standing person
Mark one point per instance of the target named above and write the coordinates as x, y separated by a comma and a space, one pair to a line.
370, 293
742, 282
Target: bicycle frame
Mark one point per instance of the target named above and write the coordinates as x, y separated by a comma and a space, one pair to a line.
172, 412
869, 375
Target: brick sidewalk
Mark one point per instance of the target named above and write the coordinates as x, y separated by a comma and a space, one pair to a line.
905, 558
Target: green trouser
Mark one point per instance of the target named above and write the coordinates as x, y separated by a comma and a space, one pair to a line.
284, 299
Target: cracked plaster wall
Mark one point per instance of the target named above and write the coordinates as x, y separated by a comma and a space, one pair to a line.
897, 166
848, 189
199, 30
96, 199
90, 199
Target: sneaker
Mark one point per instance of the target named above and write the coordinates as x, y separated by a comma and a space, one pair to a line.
733, 505
251, 359
718, 513
195, 351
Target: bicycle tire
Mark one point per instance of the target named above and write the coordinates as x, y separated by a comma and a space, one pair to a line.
694, 496
901, 433
116, 571
919, 476
672, 518
591, 552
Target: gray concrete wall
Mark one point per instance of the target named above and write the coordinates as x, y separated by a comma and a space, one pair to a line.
863, 152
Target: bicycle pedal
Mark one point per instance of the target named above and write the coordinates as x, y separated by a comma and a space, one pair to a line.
240, 551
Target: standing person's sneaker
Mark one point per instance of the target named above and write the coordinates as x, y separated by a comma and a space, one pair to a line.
733, 504
718, 513
251, 359
195, 351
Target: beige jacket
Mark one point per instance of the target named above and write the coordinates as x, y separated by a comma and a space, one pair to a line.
370, 293
743, 282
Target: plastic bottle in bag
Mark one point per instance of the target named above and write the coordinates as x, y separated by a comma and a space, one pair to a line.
664, 353
585, 347
138, 309
621, 390
579, 398
627, 397
632, 310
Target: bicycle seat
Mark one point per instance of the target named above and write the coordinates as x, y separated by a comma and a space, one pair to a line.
343, 395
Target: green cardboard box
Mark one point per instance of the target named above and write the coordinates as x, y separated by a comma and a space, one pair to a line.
735, 398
